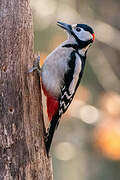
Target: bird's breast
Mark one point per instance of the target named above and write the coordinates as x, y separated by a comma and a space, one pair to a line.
54, 69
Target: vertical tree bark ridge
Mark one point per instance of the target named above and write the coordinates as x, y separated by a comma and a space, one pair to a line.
22, 151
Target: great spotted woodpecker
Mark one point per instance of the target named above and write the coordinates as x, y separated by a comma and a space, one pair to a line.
62, 71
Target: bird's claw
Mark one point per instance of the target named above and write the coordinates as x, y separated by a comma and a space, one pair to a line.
36, 66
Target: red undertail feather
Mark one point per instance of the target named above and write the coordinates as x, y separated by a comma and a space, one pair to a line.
52, 104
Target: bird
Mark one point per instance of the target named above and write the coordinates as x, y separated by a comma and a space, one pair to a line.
62, 71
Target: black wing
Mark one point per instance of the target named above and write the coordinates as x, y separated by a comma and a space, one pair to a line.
67, 96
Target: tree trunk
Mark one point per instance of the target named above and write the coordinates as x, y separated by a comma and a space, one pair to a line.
22, 150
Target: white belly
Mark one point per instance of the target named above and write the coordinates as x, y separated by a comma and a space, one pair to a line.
54, 68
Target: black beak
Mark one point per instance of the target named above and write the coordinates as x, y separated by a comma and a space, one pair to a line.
65, 26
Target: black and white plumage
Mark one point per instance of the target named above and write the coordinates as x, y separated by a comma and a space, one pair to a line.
62, 71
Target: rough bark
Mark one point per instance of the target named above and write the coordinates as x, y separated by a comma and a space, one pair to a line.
22, 150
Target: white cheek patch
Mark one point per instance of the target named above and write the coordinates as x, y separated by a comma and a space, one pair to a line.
83, 35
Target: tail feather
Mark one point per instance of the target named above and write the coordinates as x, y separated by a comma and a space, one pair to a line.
53, 124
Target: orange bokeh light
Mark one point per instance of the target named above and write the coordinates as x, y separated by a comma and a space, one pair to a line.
110, 103
107, 137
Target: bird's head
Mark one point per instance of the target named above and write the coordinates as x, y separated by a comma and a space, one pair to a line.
81, 34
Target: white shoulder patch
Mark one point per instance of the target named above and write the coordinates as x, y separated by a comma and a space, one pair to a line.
77, 70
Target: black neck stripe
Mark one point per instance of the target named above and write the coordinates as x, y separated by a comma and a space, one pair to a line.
74, 46
80, 44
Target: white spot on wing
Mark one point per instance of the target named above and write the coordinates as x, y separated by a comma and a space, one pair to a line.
60, 112
67, 96
63, 104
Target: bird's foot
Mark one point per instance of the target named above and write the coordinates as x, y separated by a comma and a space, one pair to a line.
36, 66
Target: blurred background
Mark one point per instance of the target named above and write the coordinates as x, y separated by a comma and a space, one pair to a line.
86, 145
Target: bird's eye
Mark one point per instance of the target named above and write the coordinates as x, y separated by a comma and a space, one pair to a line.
78, 29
